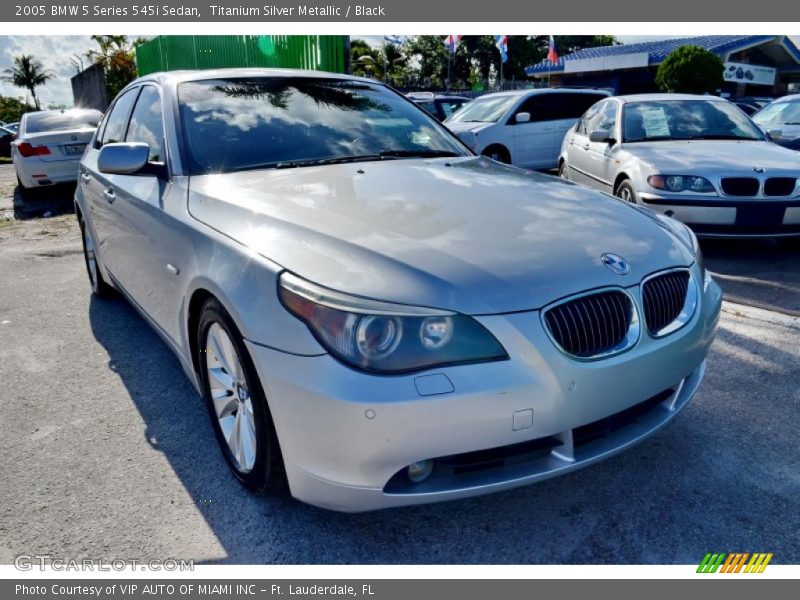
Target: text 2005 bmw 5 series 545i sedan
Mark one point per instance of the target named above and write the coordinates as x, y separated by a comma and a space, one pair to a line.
372, 313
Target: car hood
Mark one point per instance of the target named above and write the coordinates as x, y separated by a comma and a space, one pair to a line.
467, 234
699, 157
463, 126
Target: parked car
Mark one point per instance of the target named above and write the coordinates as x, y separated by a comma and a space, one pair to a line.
10, 126
782, 118
370, 310
440, 106
523, 128
696, 158
6, 137
50, 144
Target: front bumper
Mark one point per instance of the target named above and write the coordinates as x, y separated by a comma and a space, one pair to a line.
345, 434
716, 216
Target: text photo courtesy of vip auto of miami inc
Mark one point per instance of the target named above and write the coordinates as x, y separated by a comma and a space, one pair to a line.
400, 299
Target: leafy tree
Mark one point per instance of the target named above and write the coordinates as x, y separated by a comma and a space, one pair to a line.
691, 70
432, 57
28, 73
12, 109
387, 62
364, 58
117, 55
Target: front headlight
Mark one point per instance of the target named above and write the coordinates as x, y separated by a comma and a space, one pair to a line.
384, 337
681, 183
688, 237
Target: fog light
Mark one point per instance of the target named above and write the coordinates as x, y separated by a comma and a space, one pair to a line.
420, 470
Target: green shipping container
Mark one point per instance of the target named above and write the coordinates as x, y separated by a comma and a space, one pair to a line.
175, 52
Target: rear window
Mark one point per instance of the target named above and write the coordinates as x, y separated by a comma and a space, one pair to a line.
40, 122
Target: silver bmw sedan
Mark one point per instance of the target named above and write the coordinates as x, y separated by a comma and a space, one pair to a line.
375, 316
698, 159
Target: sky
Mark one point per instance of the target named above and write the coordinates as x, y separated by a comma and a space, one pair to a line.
54, 53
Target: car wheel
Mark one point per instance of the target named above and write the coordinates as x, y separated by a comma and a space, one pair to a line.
236, 402
562, 170
24, 193
625, 192
497, 153
99, 287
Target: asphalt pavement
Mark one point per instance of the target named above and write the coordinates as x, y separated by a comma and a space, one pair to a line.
108, 452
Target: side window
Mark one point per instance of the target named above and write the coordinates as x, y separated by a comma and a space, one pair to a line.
117, 120
578, 103
147, 123
540, 106
584, 125
451, 106
429, 106
608, 119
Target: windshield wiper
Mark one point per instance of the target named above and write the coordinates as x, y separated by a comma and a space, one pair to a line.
657, 138
417, 153
338, 160
291, 164
721, 136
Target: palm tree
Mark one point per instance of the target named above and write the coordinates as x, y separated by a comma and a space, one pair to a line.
28, 73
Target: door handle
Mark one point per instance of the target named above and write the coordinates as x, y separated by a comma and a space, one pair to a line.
586, 146
110, 195
85, 177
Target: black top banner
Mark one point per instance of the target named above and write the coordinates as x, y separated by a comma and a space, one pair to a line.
399, 11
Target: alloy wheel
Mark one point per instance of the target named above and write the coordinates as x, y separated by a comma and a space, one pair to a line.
230, 395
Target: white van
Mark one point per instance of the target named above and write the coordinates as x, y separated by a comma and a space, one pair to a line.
524, 128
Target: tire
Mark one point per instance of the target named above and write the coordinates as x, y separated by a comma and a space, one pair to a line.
236, 402
625, 192
497, 153
25, 194
99, 286
562, 170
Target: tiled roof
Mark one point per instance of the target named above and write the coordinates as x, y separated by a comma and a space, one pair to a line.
659, 50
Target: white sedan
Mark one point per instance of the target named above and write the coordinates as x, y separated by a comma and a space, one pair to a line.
50, 144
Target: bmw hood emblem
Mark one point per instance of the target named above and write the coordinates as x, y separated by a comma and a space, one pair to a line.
616, 263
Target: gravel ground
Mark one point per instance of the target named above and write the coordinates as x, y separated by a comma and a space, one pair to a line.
109, 453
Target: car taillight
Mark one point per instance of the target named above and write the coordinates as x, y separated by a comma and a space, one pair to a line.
27, 150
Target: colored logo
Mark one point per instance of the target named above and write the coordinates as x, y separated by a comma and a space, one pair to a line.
616, 263
735, 562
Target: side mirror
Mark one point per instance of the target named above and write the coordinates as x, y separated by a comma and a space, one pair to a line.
774, 134
601, 136
123, 159
522, 117
469, 138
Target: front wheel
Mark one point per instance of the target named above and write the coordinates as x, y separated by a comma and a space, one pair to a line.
236, 402
562, 170
497, 153
625, 192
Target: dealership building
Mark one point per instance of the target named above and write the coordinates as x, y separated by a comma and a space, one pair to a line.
755, 65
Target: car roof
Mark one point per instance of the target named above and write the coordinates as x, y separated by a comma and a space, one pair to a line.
175, 77
789, 98
535, 91
665, 96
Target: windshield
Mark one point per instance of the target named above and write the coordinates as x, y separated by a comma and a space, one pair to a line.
278, 122
686, 120
488, 109
39, 122
779, 113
